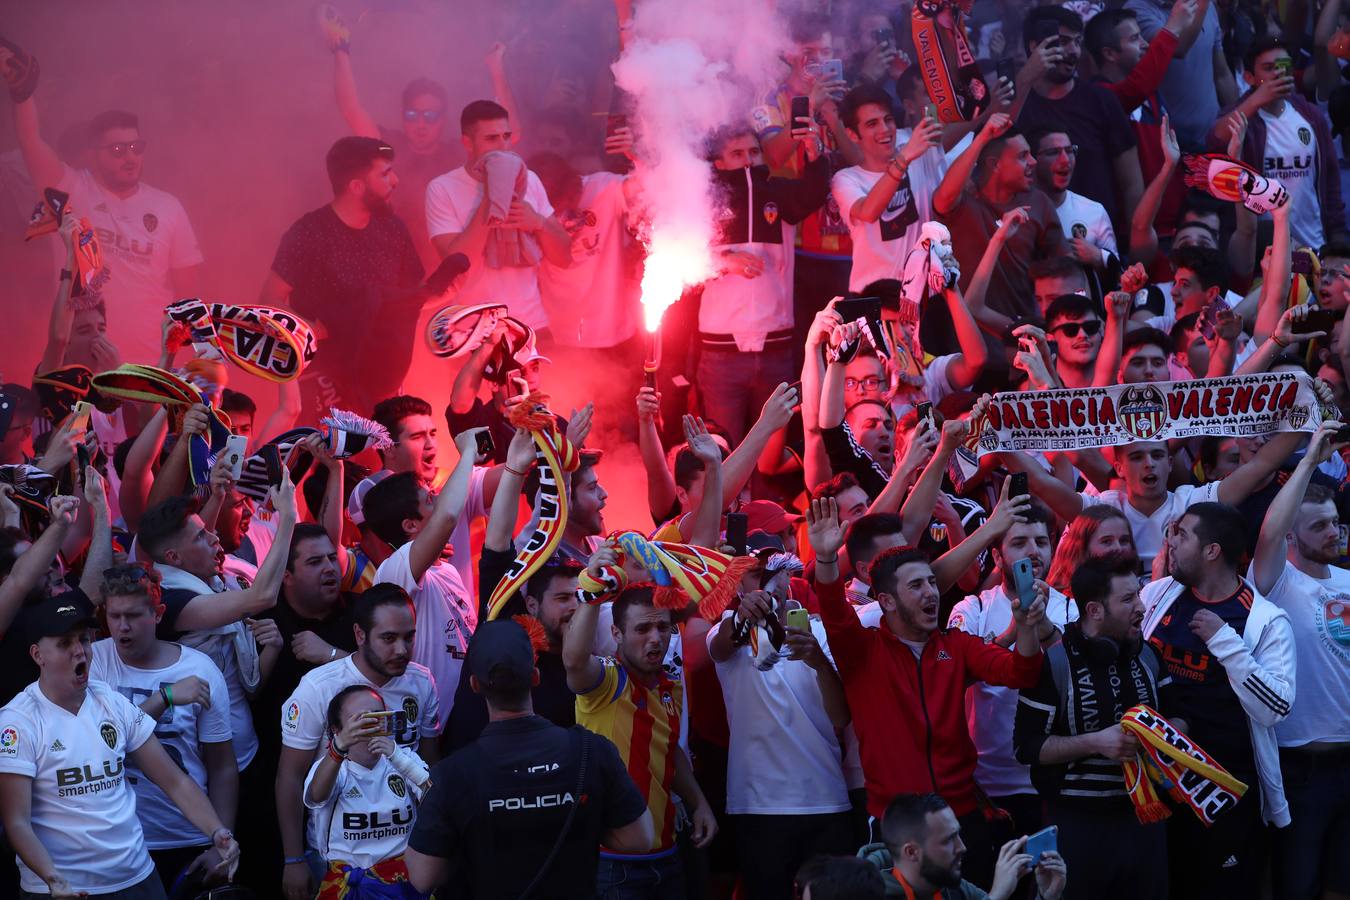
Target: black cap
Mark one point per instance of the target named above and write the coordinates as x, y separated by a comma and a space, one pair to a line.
501, 645
762, 540
58, 615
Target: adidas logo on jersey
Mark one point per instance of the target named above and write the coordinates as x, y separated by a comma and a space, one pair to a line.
1230, 862
354, 792
57, 745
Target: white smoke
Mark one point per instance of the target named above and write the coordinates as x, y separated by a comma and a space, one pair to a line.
692, 66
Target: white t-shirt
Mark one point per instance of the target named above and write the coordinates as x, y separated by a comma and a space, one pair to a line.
452, 200
936, 386
181, 732
784, 757
304, 715
84, 813
446, 618
460, 540
1087, 219
990, 710
880, 247
1319, 613
594, 301
1291, 159
368, 816
1148, 530
143, 237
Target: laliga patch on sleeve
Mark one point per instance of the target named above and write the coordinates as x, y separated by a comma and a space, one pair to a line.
9, 741
292, 716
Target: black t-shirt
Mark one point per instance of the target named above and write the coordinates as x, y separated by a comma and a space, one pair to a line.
1200, 692
174, 600
483, 415
1093, 119
335, 628
496, 808
346, 282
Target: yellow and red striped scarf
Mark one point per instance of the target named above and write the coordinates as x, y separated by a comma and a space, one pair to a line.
555, 455
1172, 761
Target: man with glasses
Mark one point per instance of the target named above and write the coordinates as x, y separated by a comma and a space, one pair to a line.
1087, 227
148, 243
1333, 281
1052, 98
1074, 326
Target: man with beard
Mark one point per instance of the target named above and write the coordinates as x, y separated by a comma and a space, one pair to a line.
65, 744
905, 679
549, 596
585, 510
1052, 99
1068, 730
635, 701
1294, 567
1230, 653
385, 630
331, 268
990, 709
147, 241
923, 836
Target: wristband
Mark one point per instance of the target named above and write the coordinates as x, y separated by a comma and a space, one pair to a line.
292, 860
515, 472
829, 562
1278, 343
166, 692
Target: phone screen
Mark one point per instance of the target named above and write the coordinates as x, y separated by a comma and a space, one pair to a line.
1019, 485
801, 109
737, 523
1044, 841
484, 442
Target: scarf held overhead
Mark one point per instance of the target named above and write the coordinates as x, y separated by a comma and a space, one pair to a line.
555, 455
1175, 763
1075, 419
274, 344
949, 69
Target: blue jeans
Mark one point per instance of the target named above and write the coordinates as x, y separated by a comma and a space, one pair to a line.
641, 879
732, 386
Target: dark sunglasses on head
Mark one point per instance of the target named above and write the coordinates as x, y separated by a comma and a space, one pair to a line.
428, 115
120, 148
1070, 329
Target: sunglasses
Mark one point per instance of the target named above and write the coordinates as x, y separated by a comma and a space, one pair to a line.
1071, 329
428, 115
120, 149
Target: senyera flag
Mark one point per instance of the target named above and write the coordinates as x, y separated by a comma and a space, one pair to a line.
1075, 419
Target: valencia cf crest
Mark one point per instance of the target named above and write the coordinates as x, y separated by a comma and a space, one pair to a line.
1305, 136
410, 709
1298, 417
1142, 411
397, 786
668, 702
1079, 231
151, 221
109, 735
771, 212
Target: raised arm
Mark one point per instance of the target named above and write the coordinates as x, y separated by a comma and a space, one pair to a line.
966, 367
924, 138
1061, 498
208, 611
100, 555
501, 88
171, 479
1272, 547
138, 474
917, 512
707, 523
991, 320
1245, 479
950, 566
31, 567
1275, 286
815, 460
430, 541
660, 481
584, 669
962, 171
1143, 236
348, 100
44, 166
63, 315
501, 523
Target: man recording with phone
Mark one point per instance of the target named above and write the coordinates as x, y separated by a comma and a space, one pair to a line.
1067, 730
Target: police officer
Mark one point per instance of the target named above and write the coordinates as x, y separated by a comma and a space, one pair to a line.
522, 811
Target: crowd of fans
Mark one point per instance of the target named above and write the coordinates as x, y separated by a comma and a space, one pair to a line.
285, 664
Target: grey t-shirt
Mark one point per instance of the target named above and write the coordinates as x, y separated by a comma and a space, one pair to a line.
1188, 88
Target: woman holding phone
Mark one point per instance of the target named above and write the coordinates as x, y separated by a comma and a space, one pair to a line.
364, 792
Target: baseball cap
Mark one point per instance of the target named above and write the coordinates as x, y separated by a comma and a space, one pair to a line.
59, 615
765, 515
501, 645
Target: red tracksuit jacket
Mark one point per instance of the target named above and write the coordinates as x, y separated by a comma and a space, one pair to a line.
909, 714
